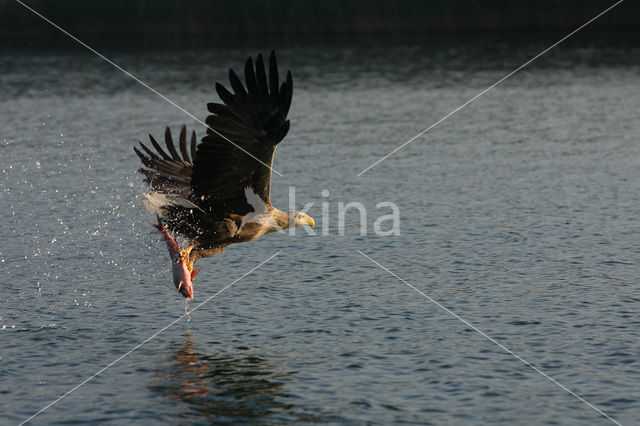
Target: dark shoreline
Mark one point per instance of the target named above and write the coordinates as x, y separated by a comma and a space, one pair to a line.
288, 19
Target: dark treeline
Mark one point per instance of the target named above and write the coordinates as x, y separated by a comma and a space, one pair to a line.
180, 18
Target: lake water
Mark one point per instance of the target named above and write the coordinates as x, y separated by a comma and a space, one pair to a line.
519, 213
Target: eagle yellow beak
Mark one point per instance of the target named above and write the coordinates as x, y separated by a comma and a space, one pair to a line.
311, 222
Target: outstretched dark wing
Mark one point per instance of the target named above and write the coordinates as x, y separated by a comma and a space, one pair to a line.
243, 133
169, 173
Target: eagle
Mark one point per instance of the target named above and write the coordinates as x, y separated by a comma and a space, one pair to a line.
217, 192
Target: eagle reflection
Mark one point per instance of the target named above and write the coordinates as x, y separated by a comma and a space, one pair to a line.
225, 387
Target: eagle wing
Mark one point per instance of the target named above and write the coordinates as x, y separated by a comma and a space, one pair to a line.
169, 173
243, 132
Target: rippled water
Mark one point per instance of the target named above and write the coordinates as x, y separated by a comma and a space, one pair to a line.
519, 214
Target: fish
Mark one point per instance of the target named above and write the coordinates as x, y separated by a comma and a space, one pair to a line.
182, 274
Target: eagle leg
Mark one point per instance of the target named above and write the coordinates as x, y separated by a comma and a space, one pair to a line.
184, 254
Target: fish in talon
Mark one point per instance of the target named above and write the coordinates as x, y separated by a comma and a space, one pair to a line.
182, 274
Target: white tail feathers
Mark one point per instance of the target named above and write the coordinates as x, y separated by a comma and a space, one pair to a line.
157, 202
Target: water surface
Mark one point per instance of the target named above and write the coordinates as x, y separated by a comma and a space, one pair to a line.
519, 213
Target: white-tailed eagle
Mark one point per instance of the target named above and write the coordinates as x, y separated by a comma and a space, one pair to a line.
208, 192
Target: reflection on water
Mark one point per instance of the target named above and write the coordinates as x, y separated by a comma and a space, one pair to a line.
221, 387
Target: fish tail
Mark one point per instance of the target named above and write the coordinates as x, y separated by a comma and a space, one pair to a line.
159, 226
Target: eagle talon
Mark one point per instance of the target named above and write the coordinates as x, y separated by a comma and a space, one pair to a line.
184, 255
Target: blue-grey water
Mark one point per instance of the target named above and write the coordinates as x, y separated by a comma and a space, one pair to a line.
519, 214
